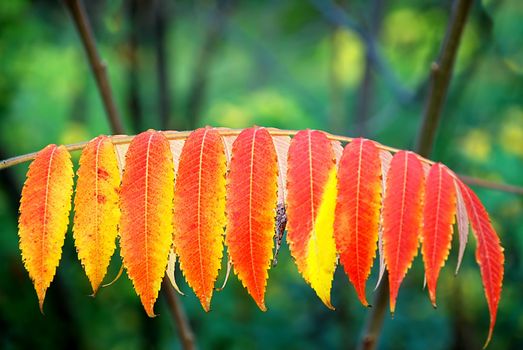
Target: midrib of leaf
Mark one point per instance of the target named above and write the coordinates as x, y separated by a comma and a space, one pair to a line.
44, 224
97, 230
311, 183
358, 216
250, 212
436, 227
198, 207
402, 210
146, 203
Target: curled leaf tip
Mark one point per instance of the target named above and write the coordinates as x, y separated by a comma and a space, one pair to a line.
329, 305
41, 306
489, 337
114, 279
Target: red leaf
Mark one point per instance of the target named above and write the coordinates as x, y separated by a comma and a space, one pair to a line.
358, 211
251, 202
311, 201
438, 218
402, 213
489, 253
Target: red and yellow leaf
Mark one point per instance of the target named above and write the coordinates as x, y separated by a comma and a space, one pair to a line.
358, 206
311, 201
489, 253
438, 218
199, 211
97, 213
251, 202
146, 203
44, 215
402, 214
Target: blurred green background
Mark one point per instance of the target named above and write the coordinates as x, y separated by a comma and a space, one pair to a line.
185, 64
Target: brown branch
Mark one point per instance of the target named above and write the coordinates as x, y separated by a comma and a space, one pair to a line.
99, 70
474, 181
184, 328
182, 135
98, 67
374, 321
441, 74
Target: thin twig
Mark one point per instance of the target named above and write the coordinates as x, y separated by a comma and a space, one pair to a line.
98, 67
184, 328
182, 135
474, 181
436, 96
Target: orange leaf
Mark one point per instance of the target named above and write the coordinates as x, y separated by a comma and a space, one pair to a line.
438, 218
251, 202
44, 215
358, 211
146, 202
311, 201
402, 214
97, 213
199, 211
489, 253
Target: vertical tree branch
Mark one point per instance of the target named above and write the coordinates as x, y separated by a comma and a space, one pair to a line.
99, 70
184, 328
375, 318
441, 73
98, 67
